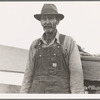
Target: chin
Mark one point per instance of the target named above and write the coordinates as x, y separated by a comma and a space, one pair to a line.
48, 31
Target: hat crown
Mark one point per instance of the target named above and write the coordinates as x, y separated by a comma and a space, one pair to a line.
49, 9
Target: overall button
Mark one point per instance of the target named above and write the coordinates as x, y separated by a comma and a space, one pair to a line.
40, 55
58, 46
54, 64
54, 54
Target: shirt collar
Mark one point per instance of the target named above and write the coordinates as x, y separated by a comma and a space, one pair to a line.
56, 38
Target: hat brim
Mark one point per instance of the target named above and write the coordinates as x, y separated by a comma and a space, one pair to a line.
38, 16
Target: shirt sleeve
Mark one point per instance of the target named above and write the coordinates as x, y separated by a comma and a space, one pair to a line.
28, 75
75, 68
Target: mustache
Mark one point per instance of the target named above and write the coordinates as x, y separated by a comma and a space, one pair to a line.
47, 26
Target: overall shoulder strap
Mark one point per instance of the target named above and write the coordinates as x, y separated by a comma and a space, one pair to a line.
37, 43
61, 38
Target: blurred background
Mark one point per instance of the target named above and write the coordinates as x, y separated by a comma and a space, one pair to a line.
18, 27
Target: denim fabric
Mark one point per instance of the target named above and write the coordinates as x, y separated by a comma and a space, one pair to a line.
70, 59
51, 73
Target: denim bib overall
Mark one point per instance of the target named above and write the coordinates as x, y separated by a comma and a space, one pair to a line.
51, 73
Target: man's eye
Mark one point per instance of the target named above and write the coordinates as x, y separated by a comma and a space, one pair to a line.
43, 18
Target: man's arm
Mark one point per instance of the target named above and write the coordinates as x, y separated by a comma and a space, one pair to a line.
75, 67
28, 75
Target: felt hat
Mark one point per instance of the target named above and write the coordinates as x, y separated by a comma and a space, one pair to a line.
49, 9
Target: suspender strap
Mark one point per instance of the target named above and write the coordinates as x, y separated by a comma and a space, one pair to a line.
61, 38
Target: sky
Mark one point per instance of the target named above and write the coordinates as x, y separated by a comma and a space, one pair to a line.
19, 28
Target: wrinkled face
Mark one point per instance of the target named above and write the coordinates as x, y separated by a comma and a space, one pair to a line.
49, 23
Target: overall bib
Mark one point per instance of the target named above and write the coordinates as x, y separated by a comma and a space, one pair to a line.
51, 74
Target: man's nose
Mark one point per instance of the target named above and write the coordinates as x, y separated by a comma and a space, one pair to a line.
47, 21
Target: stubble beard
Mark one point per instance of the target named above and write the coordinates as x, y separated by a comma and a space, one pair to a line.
48, 30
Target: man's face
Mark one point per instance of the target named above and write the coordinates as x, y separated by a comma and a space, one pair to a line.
49, 23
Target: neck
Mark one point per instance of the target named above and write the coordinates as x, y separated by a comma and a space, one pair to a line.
50, 36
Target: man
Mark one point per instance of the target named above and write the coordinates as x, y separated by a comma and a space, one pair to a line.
54, 64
